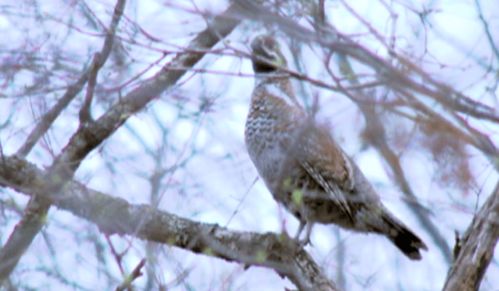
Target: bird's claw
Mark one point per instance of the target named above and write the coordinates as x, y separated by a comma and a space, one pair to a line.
303, 242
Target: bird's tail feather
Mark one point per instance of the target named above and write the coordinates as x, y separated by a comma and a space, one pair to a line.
408, 242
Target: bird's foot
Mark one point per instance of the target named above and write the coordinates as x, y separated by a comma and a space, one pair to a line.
303, 242
306, 240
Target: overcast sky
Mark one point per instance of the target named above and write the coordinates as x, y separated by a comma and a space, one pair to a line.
214, 179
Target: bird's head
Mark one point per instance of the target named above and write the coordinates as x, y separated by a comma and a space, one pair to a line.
267, 55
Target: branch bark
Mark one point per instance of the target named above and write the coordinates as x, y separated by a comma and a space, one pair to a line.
91, 134
116, 216
37, 209
476, 247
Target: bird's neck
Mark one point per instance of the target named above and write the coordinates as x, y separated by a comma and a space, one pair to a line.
276, 85
270, 78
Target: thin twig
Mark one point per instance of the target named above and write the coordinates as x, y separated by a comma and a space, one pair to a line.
38, 207
137, 272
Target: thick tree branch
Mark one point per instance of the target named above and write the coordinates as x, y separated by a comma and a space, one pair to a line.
116, 216
23, 234
476, 247
37, 209
92, 134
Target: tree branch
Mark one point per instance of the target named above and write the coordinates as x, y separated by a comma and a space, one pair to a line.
376, 136
37, 209
398, 80
91, 134
49, 117
476, 247
116, 216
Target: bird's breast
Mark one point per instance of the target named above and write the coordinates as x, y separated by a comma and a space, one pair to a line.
264, 142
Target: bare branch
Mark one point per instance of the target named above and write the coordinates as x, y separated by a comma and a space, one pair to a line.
116, 216
376, 135
38, 207
23, 234
85, 111
127, 284
48, 118
448, 121
91, 135
375, 127
476, 247
400, 81
486, 28
386, 72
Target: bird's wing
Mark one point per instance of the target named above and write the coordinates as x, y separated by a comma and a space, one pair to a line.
327, 164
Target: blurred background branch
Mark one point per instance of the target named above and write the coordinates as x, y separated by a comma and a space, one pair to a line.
146, 102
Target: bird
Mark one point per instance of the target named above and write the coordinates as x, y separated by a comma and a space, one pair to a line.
302, 165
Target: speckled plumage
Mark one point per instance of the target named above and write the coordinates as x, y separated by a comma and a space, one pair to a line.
301, 164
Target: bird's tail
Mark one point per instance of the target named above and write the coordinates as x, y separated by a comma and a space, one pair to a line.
409, 243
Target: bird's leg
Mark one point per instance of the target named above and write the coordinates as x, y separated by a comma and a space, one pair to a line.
308, 231
300, 229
